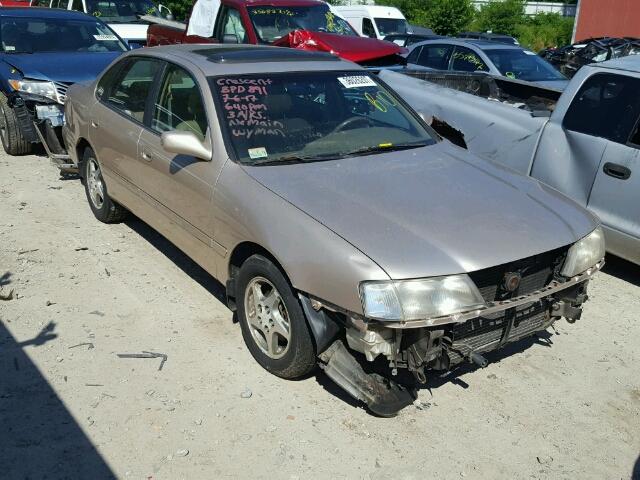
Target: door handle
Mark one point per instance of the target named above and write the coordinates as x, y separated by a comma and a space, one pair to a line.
94, 124
616, 171
146, 156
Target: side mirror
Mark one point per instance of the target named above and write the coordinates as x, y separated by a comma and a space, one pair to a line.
185, 143
229, 38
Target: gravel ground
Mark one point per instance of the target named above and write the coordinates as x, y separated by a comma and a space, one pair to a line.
563, 405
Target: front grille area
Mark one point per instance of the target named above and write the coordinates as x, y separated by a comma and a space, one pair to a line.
484, 334
536, 272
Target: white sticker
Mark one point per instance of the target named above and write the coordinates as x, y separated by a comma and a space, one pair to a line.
255, 153
357, 81
528, 52
105, 38
9, 48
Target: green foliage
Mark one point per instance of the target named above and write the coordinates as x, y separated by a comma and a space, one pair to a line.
500, 16
445, 17
545, 30
179, 8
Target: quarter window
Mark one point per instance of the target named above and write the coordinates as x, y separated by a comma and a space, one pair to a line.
129, 94
466, 60
607, 106
179, 105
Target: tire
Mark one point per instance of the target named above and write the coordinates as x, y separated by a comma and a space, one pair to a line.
291, 357
10, 134
103, 208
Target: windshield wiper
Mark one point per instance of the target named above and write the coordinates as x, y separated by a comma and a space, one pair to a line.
383, 148
292, 159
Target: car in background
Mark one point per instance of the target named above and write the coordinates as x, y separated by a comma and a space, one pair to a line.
123, 16
337, 219
44, 51
374, 21
571, 58
408, 39
489, 57
15, 3
490, 37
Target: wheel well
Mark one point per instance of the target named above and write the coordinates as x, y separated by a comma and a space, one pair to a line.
80, 148
239, 255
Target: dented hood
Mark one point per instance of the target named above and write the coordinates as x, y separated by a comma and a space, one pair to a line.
350, 47
431, 211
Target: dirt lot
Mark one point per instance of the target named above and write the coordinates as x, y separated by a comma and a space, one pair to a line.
565, 405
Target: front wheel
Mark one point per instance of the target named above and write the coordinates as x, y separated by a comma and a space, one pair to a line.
273, 324
10, 134
103, 208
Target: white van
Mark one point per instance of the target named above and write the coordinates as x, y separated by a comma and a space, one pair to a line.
374, 21
123, 16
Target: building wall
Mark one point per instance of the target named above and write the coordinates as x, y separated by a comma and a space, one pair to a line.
608, 18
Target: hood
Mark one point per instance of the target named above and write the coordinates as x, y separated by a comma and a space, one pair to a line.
350, 47
61, 67
436, 210
131, 31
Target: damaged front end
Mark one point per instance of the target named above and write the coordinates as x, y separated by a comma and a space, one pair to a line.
519, 299
39, 110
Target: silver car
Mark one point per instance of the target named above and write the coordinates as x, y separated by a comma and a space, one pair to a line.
338, 220
495, 58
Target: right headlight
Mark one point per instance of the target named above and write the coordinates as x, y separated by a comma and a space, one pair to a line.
584, 254
419, 299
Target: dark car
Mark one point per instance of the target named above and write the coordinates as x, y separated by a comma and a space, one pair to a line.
44, 51
408, 39
571, 58
490, 37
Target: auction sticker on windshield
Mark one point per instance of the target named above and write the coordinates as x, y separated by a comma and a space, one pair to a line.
357, 81
255, 153
105, 38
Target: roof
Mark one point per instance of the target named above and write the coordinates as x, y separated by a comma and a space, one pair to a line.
481, 44
43, 12
373, 9
630, 63
221, 59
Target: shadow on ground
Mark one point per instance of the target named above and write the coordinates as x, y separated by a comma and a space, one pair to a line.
635, 475
179, 258
39, 437
622, 269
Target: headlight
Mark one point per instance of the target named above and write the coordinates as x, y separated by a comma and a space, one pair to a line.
584, 254
408, 300
36, 88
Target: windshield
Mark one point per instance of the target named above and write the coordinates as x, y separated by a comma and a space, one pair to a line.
273, 23
32, 35
121, 11
389, 26
281, 118
523, 65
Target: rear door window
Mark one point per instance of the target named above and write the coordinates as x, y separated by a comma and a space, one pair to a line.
130, 91
466, 60
435, 56
607, 106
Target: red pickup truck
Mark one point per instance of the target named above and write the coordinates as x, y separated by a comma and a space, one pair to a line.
304, 24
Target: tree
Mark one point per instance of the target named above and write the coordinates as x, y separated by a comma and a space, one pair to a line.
449, 17
545, 30
501, 16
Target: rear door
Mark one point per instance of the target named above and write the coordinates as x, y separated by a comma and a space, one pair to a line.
434, 56
180, 186
123, 94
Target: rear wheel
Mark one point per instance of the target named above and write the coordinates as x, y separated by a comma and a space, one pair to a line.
273, 324
10, 134
104, 209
